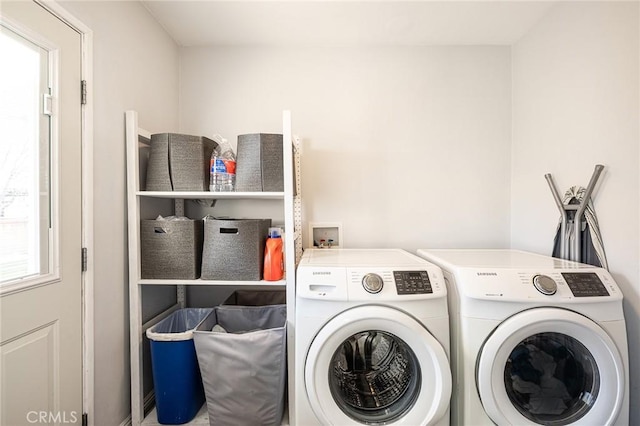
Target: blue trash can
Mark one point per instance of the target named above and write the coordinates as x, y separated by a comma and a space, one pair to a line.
176, 376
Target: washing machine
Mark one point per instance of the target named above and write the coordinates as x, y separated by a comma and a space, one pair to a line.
371, 339
535, 340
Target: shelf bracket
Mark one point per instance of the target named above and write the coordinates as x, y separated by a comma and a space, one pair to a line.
178, 207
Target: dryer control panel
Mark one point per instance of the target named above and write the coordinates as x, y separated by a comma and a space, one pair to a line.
585, 284
533, 285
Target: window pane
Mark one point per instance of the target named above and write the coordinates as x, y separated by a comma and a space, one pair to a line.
24, 159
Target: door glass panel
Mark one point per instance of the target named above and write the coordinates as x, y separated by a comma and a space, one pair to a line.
552, 379
375, 377
24, 159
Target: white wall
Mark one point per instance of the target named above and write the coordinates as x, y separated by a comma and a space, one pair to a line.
406, 146
135, 67
575, 105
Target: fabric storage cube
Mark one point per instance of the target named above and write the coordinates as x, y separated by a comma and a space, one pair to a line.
179, 162
243, 365
259, 166
234, 249
176, 375
171, 249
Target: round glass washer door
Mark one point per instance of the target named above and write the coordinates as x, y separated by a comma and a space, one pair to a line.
377, 365
550, 367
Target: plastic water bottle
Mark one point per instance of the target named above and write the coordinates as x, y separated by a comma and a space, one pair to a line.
223, 168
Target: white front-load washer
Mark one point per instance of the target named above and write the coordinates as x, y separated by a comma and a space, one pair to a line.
371, 339
535, 340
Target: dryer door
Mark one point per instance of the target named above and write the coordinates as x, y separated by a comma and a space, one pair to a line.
553, 367
377, 365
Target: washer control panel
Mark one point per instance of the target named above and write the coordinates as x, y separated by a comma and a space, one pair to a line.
412, 282
368, 275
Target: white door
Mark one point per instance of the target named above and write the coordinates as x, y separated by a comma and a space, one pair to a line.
550, 366
376, 365
40, 218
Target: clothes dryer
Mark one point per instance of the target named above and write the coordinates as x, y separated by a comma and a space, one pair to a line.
371, 339
535, 340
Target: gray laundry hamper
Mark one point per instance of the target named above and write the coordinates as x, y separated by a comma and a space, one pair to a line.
244, 369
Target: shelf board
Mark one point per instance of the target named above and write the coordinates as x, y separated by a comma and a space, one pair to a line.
206, 195
201, 419
261, 283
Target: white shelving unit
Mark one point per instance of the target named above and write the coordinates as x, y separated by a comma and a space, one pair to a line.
138, 140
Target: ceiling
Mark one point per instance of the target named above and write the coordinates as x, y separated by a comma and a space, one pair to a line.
346, 23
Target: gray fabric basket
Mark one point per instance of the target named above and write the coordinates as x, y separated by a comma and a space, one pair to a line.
259, 166
244, 370
234, 249
179, 162
171, 249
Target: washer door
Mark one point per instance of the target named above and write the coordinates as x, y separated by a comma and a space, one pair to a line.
377, 365
551, 367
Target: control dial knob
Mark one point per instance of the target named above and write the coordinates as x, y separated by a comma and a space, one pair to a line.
372, 283
545, 284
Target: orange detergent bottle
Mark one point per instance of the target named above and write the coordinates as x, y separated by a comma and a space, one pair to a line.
273, 262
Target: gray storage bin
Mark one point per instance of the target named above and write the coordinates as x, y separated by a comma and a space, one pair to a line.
243, 369
259, 166
234, 249
257, 298
179, 162
171, 249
